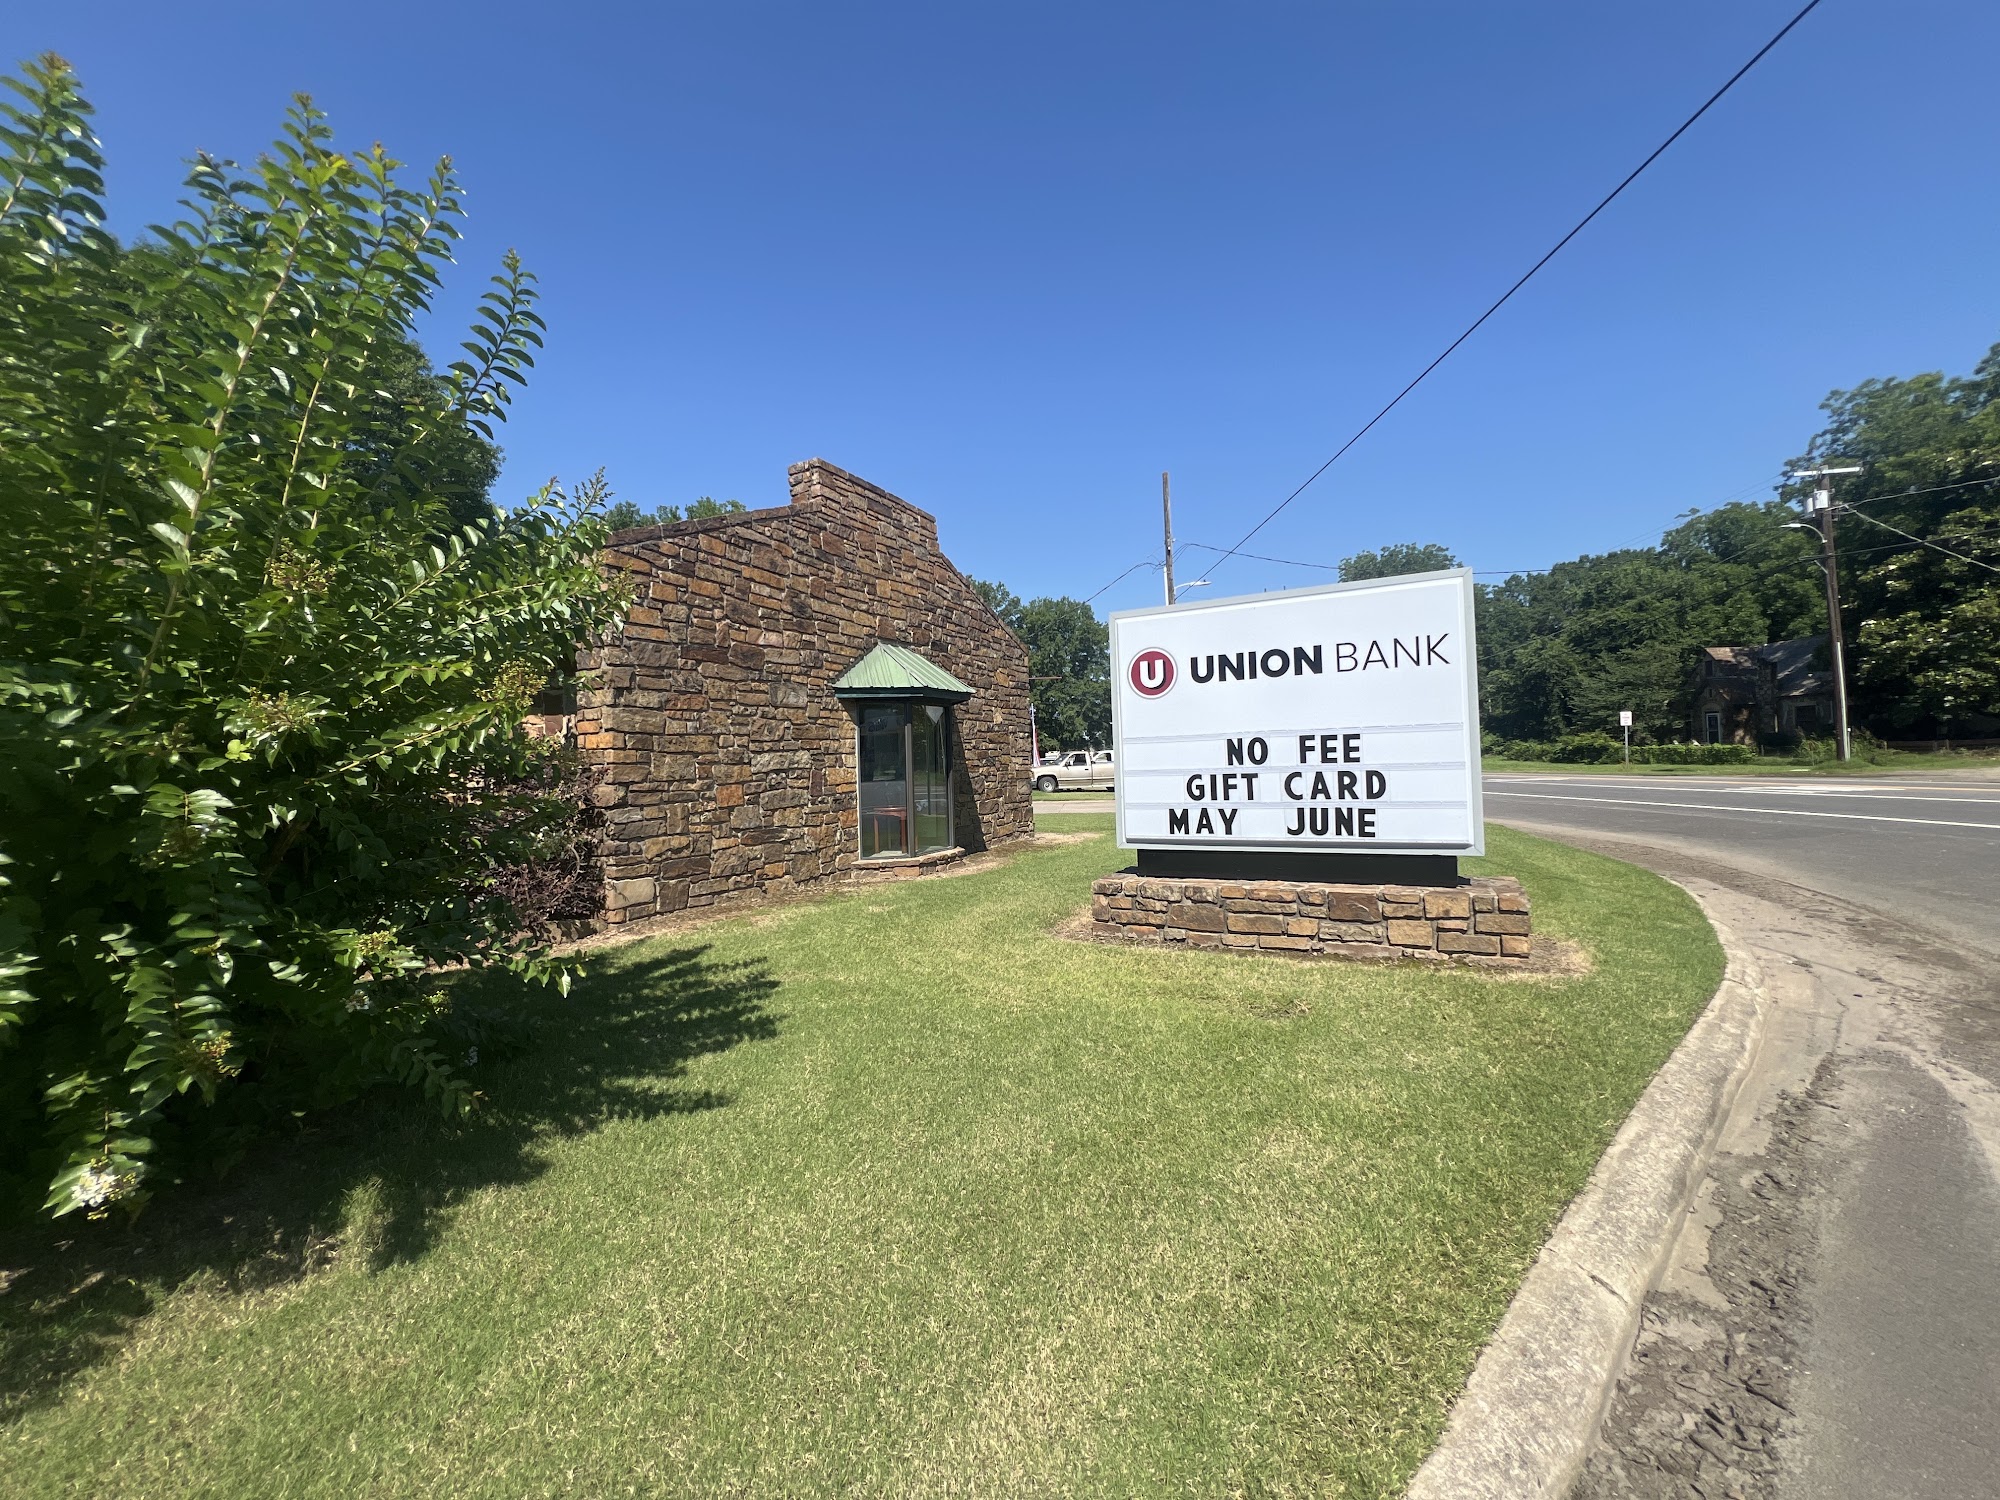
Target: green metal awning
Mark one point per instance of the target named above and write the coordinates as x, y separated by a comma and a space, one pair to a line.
891, 671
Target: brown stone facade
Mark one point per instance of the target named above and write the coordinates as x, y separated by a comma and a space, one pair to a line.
1486, 918
729, 765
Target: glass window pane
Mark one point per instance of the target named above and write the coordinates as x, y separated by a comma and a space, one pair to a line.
930, 776
884, 784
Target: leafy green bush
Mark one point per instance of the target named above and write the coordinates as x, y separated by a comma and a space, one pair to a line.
260, 765
1506, 749
1593, 748
1695, 755
1602, 750
1572, 749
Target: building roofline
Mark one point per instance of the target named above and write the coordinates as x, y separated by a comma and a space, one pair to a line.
634, 536
794, 472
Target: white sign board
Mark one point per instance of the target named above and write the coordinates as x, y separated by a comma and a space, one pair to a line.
1341, 719
1624, 718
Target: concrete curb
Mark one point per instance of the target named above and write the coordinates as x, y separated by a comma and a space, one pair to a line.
1526, 1419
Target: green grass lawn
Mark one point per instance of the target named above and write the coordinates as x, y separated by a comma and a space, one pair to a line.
892, 1193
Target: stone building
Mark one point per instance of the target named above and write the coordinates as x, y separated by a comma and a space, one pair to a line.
1745, 695
799, 693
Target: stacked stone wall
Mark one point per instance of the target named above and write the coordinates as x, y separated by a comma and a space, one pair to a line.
1486, 918
729, 766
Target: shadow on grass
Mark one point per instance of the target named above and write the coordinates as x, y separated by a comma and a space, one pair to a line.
371, 1184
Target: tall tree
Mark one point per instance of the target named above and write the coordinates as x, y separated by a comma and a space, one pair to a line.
1920, 539
1919, 542
1069, 658
1069, 664
1002, 600
623, 515
463, 463
1395, 560
263, 659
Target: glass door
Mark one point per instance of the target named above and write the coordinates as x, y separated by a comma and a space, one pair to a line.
885, 785
930, 778
905, 779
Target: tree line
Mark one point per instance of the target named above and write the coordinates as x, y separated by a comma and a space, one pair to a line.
1563, 650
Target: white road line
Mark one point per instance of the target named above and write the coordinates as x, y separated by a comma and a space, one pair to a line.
1886, 797
1745, 789
1773, 812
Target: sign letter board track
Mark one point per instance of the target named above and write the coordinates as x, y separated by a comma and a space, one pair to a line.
1337, 719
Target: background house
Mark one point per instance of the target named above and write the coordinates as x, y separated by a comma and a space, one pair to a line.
1747, 694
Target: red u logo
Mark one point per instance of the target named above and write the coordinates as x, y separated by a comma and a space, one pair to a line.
1152, 673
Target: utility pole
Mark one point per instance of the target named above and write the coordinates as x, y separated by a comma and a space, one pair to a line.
1821, 507
1167, 515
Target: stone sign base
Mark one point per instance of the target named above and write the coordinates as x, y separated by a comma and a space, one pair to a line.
1485, 918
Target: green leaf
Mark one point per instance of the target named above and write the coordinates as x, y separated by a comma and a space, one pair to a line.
213, 772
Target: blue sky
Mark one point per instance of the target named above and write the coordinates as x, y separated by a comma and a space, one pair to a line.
1012, 262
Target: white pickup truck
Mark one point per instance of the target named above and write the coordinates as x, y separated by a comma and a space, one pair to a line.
1076, 771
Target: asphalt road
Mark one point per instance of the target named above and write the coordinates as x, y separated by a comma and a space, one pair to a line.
1828, 1324
1924, 848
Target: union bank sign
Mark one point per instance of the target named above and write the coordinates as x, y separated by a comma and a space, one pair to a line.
1342, 718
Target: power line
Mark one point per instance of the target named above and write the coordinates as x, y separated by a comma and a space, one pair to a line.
1508, 295
1921, 541
1286, 562
1735, 496
1771, 570
1760, 576
1957, 536
1763, 543
1908, 494
1149, 563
